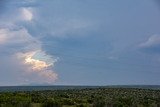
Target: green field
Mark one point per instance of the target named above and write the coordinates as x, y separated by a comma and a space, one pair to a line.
89, 97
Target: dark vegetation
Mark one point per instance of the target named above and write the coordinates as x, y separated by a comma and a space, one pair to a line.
93, 97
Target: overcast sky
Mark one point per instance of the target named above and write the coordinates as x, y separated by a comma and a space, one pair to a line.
79, 42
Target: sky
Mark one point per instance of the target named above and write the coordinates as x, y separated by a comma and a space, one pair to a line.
79, 42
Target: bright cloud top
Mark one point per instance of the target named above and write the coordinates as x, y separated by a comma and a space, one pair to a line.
39, 66
36, 63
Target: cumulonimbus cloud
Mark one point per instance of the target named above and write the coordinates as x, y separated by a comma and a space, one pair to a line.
24, 51
29, 54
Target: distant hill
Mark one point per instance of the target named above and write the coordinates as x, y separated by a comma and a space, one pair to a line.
65, 87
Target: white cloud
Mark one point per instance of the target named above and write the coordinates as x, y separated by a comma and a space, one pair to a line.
41, 67
36, 63
16, 16
27, 14
12, 36
16, 40
152, 41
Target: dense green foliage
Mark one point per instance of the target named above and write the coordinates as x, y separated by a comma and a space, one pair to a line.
95, 97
